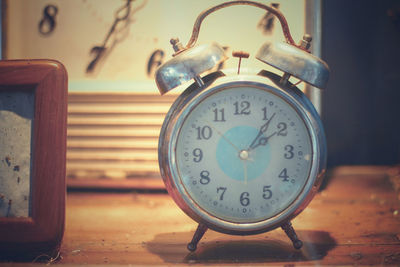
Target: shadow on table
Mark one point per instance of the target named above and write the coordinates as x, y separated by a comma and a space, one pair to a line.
171, 247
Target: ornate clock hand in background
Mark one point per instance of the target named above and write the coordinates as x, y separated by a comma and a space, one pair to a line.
99, 51
266, 24
122, 17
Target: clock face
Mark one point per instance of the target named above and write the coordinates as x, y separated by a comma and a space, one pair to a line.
243, 153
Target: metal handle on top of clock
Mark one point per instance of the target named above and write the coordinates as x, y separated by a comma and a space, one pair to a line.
274, 11
189, 61
291, 58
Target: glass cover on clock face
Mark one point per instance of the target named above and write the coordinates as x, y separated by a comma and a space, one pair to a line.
243, 154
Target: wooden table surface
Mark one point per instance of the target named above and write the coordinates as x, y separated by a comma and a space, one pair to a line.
354, 220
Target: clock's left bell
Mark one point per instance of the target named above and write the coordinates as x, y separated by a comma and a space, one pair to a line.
187, 65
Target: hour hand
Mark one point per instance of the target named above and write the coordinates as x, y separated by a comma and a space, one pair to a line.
262, 130
262, 141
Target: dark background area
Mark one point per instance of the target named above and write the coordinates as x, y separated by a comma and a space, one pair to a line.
361, 105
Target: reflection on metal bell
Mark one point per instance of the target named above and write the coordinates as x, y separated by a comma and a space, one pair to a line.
187, 65
295, 61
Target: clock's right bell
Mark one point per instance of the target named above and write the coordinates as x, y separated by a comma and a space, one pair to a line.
296, 62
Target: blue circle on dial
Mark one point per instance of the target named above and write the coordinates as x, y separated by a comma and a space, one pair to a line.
239, 139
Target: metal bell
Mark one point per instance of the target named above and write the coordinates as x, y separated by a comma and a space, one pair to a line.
295, 61
187, 65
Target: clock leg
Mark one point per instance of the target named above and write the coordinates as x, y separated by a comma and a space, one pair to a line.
288, 228
201, 229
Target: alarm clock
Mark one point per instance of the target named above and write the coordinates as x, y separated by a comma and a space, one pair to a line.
242, 153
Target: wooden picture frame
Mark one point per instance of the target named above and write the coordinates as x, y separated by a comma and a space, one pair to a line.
42, 231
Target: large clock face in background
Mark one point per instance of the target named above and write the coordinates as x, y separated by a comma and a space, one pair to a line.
102, 40
114, 47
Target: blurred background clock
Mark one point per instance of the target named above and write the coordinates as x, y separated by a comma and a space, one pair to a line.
111, 50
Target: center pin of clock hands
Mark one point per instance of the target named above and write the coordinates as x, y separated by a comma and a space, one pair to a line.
263, 140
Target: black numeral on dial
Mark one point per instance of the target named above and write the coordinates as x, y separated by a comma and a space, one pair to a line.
222, 190
282, 127
289, 154
205, 177
197, 155
264, 109
244, 199
242, 108
283, 175
267, 193
219, 115
204, 132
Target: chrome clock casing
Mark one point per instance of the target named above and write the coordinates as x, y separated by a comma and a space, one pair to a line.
187, 65
189, 99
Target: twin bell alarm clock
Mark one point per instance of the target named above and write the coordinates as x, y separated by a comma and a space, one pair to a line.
239, 153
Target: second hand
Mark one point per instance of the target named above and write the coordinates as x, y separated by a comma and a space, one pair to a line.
225, 138
245, 171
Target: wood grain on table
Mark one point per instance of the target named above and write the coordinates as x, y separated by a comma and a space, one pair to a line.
354, 220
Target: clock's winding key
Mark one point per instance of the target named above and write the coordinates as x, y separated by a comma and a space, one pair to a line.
240, 55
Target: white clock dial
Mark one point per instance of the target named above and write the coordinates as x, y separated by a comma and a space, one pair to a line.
243, 154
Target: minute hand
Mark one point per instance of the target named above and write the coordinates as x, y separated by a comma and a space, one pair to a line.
262, 130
